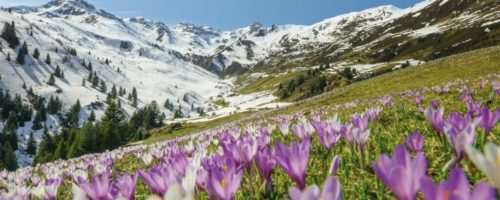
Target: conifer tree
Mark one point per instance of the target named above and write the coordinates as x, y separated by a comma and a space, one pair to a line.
103, 86
46, 148
74, 115
47, 59
31, 146
23, 51
9, 160
92, 116
8, 56
112, 127
83, 82
57, 71
9, 34
51, 80
36, 54
114, 93
95, 81
134, 97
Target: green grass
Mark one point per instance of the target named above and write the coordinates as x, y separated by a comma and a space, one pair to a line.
466, 65
162, 134
266, 83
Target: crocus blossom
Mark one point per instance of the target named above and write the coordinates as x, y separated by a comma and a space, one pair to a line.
158, 179
400, 173
124, 186
223, 182
98, 188
331, 191
456, 187
488, 163
489, 119
293, 160
265, 162
415, 142
435, 117
460, 132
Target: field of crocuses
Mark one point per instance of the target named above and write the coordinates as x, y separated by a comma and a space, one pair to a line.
429, 143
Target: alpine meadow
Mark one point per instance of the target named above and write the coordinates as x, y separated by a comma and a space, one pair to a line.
382, 103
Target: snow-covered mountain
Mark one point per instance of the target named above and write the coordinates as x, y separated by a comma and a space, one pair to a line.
186, 63
189, 59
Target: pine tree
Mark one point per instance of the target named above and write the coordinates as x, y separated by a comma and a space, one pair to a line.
47, 59
9, 160
53, 106
23, 51
112, 126
95, 81
36, 54
51, 80
74, 115
57, 71
90, 66
46, 148
114, 93
31, 146
9, 34
83, 82
134, 97
12, 122
92, 116
37, 122
8, 56
103, 86
61, 151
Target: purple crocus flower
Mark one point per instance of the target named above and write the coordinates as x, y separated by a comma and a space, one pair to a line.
334, 165
242, 150
415, 142
474, 108
456, 187
99, 188
435, 104
435, 117
51, 187
489, 119
460, 132
264, 159
360, 121
400, 173
158, 179
124, 187
300, 130
331, 191
482, 84
347, 132
294, 160
326, 134
361, 136
284, 127
223, 182
418, 100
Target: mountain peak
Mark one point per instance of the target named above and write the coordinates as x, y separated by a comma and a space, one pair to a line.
75, 4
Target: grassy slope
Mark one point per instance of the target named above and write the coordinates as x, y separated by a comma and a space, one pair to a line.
467, 65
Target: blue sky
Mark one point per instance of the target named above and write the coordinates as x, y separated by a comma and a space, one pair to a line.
230, 14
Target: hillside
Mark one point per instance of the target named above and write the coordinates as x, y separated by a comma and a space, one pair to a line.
160, 74
338, 138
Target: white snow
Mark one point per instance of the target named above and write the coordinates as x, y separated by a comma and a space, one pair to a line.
426, 31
